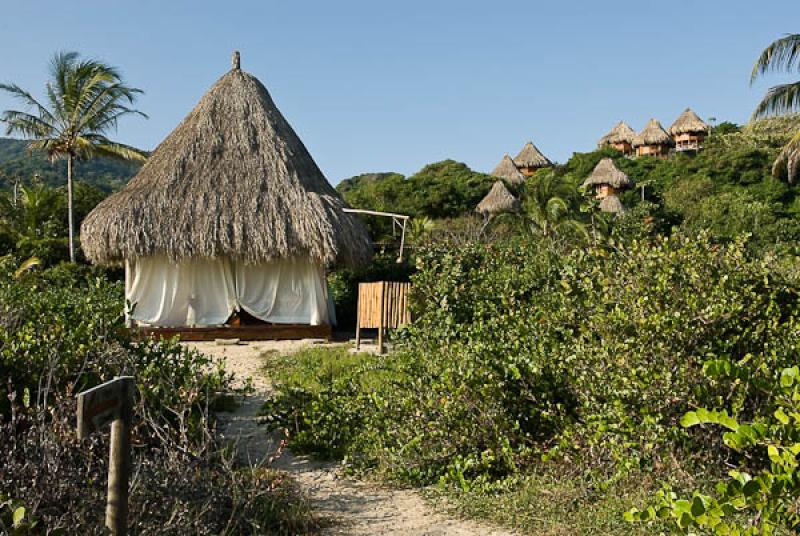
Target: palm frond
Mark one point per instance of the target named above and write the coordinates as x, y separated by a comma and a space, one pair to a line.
788, 161
26, 266
780, 99
118, 151
782, 54
28, 100
27, 125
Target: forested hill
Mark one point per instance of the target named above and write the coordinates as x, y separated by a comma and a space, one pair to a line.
17, 163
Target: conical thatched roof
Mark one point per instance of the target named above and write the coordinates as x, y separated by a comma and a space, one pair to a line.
611, 203
621, 133
232, 180
605, 172
531, 157
508, 171
688, 121
653, 134
498, 200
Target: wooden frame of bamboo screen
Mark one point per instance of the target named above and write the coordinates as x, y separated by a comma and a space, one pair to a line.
382, 305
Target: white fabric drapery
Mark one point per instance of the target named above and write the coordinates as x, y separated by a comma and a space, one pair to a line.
205, 292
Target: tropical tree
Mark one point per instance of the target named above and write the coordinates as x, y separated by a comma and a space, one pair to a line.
85, 101
781, 55
548, 206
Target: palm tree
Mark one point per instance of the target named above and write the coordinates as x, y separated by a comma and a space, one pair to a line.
85, 100
548, 206
781, 55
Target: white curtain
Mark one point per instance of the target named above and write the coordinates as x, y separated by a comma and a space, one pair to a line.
206, 292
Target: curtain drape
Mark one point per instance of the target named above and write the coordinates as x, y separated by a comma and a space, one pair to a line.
205, 292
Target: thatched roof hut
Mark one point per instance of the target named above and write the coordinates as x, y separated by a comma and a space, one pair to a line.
497, 201
529, 159
233, 180
508, 171
620, 137
606, 172
611, 203
653, 140
688, 122
689, 131
229, 213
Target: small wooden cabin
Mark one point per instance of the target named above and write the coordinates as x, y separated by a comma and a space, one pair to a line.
688, 131
620, 138
653, 141
607, 181
530, 159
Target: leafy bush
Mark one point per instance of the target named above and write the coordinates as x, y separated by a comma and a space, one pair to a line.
522, 350
61, 331
744, 504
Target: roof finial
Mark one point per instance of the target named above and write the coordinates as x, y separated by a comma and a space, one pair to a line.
235, 60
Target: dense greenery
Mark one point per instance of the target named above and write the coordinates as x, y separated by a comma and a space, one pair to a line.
17, 164
525, 353
61, 332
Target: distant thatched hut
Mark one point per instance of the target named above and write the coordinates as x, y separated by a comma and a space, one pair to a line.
620, 138
653, 140
508, 171
530, 159
230, 213
688, 131
607, 181
497, 201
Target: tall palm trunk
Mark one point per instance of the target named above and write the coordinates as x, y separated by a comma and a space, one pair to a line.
69, 209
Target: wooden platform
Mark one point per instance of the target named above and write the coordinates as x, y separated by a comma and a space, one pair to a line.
265, 332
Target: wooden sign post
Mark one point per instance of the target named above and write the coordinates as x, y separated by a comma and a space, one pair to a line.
112, 402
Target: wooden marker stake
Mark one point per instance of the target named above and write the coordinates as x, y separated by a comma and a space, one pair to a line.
112, 402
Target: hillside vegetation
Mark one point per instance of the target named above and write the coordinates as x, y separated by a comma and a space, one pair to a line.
16, 162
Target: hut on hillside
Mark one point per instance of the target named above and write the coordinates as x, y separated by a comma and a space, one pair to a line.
497, 201
508, 171
229, 221
530, 159
620, 138
607, 181
653, 141
688, 131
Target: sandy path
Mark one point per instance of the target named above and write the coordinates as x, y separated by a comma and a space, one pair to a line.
359, 508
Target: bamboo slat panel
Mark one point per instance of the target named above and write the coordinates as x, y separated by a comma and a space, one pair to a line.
383, 304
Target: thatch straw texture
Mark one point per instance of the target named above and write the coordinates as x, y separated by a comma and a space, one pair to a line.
688, 122
531, 157
621, 133
508, 171
611, 203
232, 180
653, 134
497, 201
605, 172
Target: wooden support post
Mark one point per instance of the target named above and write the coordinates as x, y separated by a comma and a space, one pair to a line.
358, 318
119, 464
382, 315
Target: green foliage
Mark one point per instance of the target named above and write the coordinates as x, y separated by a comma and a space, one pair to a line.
17, 164
745, 503
502, 364
441, 190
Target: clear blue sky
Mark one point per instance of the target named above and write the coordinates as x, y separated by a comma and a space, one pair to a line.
391, 86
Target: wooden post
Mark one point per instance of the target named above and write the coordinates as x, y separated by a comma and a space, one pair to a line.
382, 315
119, 463
112, 402
358, 317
